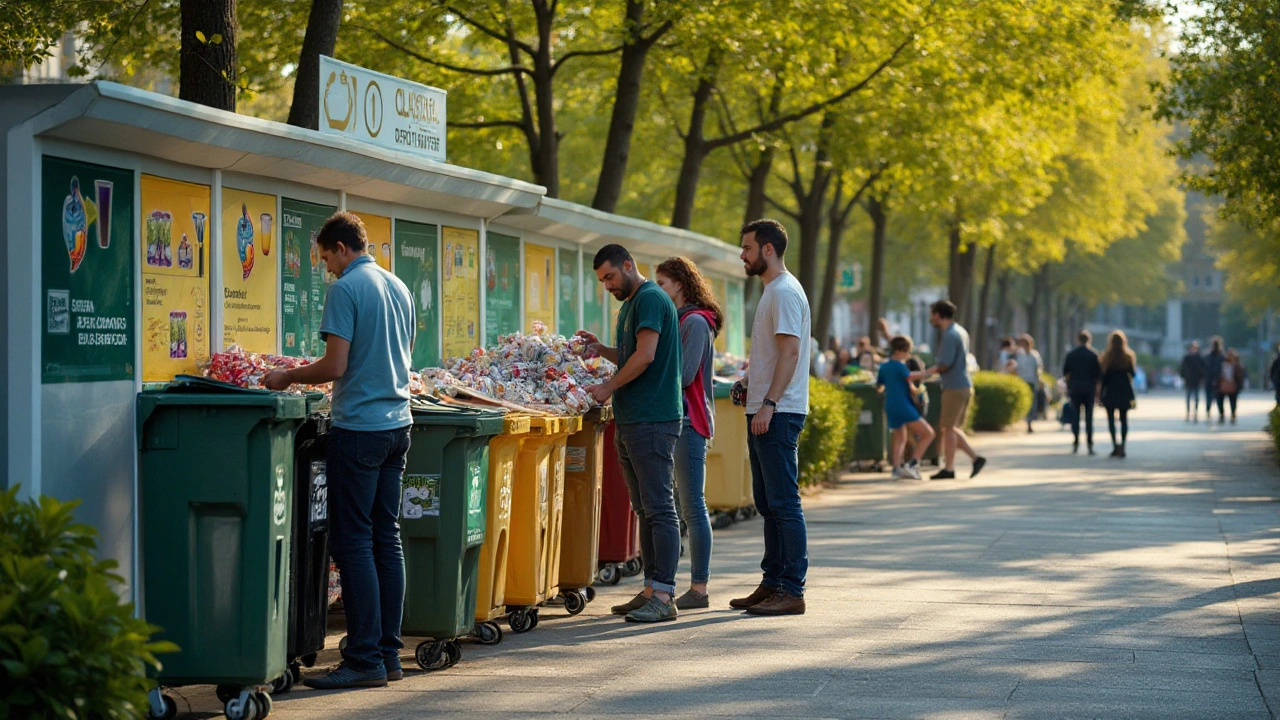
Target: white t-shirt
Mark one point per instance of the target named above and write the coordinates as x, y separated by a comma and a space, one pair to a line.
783, 310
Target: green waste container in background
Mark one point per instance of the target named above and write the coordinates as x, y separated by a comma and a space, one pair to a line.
442, 522
216, 476
933, 414
871, 443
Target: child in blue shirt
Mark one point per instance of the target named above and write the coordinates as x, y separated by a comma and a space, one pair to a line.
897, 383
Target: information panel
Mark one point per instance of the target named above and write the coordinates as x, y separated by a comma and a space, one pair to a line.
721, 290
303, 278
378, 229
86, 275
593, 305
539, 286
250, 270
175, 281
735, 320
461, 290
566, 287
502, 287
416, 265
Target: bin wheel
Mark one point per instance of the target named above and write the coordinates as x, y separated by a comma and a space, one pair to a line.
162, 707
452, 654
264, 704
608, 574
226, 693
487, 633
295, 671
575, 601
520, 621
591, 593
307, 661
283, 684
632, 568
430, 655
533, 617
244, 706
721, 520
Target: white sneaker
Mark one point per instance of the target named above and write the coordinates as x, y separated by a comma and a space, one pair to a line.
900, 473
913, 470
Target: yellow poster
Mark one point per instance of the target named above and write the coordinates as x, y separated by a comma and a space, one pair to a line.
721, 290
250, 270
379, 231
175, 284
644, 270
460, 270
539, 286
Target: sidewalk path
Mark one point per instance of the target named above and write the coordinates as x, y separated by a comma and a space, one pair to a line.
1052, 586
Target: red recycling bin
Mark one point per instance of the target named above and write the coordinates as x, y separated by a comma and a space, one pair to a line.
619, 526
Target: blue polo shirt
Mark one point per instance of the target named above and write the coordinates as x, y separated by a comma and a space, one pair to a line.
373, 310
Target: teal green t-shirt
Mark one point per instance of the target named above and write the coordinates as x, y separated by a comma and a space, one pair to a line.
655, 395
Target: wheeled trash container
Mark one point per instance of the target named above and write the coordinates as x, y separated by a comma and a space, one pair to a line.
491, 584
728, 488
619, 525
870, 444
580, 540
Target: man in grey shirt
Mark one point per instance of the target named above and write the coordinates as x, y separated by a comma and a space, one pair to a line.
952, 363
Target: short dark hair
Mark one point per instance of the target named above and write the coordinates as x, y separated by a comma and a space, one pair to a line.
1085, 337
613, 254
768, 232
944, 309
900, 343
345, 228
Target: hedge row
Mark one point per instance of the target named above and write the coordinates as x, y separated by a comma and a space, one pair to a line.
1275, 429
999, 400
826, 444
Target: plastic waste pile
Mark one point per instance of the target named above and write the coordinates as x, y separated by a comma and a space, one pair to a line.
238, 366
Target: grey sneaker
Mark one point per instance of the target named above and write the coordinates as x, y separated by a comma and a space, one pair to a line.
654, 611
693, 600
634, 603
344, 677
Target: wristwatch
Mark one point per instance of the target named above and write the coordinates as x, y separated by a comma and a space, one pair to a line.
770, 403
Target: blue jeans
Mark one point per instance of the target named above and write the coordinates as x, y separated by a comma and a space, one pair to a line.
1193, 398
775, 485
691, 487
365, 470
646, 452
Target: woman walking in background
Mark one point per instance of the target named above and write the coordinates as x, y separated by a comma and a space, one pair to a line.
1116, 387
700, 322
1029, 367
1212, 374
1230, 380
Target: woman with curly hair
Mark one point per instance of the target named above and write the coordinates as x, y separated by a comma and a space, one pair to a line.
1119, 364
700, 321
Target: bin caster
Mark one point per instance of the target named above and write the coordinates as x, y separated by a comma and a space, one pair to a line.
591, 593
521, 621
487, 633
533, 617
720, 520
342, 644
283, 684
452, 653
575, 601
295, 669
430, 655
632, 568
162, 707
248, 704
609, 574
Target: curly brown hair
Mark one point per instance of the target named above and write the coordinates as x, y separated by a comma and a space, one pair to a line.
696, 287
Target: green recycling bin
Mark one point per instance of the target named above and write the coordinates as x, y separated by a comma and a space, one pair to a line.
442, 521
872, 440
216, 476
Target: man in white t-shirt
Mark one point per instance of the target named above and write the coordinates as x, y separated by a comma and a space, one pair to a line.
777, 404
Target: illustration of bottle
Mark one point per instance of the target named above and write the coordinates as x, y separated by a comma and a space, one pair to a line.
491, 272
199, 218
244, 241
102, 190
75, 224
264, 227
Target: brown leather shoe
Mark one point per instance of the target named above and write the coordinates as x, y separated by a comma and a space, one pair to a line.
763, 592
781, 603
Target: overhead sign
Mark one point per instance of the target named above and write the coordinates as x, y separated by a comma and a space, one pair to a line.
851, 277
382, 110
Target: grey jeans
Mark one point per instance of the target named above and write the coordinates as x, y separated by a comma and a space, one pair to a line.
646, 452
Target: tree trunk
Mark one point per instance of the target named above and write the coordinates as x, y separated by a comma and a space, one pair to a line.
875, 303
321, 38
982, 328
695, 145
544, 95
836, 221
1002, 310
960, 282
626, 103
1038, 284
756, 186
207, 69
812, 206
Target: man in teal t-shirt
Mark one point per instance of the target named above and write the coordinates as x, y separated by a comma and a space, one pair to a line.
648, 412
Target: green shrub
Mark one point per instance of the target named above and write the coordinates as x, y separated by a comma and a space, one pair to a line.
69, 648
852, 409
825, 443
1275, 429
999, 400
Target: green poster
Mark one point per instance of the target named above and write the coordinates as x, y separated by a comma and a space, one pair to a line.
567, 313
502, 287
303, 278
593, 319
86, 260
734, 320
476, 492
416, 264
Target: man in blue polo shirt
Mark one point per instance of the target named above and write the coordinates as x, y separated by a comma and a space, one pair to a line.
368, 329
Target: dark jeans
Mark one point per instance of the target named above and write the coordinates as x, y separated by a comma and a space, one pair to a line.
1084, 408
646, 452
365, 470
1124, 425
1233, 398
1193, 398
776, 488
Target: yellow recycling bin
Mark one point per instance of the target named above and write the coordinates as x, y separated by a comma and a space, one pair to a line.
728, 488
537, 509
504, 452
580, 544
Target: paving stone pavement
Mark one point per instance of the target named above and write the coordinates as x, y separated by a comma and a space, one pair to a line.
1052, 586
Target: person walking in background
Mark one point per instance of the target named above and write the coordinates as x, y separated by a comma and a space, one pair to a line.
1119, 365
1230, 382
1082, 373
1005, 362
952, 363
700, 321
777, 405
898, 383
1029, 366
1212, 373
1274, 374
1193, 376
647, 414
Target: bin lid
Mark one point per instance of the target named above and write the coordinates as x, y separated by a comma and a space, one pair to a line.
556, 425
194, 390
429, 411
602, 414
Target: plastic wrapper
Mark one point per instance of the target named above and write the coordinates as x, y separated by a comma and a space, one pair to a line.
729, 366
237, 366
539, 370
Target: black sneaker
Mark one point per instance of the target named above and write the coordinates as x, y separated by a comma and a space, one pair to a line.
943, 475
344, 677
978, 463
